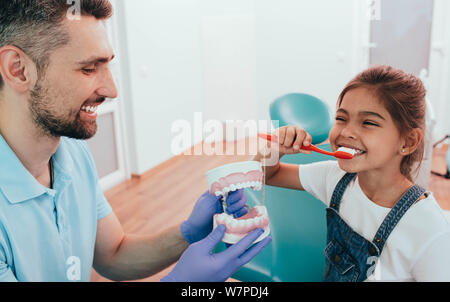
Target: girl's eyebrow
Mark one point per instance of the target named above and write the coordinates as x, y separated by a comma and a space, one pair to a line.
342, 111
364, 113
372, 113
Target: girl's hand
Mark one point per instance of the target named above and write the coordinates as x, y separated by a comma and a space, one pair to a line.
292, 138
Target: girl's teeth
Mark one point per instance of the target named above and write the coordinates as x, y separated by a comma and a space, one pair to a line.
351, 151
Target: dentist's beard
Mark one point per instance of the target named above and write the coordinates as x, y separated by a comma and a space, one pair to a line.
48, 118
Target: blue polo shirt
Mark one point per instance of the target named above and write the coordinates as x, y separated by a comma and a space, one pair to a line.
45, 234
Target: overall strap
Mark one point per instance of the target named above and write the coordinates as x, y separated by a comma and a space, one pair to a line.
394, 216
339, 190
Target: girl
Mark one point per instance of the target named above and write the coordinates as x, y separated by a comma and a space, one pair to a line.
380, 225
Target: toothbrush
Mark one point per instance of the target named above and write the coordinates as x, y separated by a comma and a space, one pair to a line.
337, 154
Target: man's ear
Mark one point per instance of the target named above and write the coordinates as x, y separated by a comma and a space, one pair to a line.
17, 69
412, 141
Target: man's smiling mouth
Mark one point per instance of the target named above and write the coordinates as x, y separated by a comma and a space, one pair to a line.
91, 108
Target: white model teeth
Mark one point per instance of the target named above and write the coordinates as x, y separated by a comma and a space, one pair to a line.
262, 211
257, 185
250, 223
234, 223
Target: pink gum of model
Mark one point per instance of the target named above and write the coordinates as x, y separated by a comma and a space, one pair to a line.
236, 178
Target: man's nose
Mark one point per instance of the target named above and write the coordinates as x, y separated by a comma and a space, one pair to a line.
108, 88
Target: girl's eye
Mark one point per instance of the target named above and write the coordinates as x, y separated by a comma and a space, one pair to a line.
369, 123
338, 118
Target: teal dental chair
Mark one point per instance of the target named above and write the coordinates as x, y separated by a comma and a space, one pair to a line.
303, 110
297, 219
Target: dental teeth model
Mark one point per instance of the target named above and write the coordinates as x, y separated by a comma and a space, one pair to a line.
229, 178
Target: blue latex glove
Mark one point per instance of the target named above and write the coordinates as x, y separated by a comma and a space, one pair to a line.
200, 222
199, 264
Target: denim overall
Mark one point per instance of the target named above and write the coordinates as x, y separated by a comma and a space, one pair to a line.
349, 256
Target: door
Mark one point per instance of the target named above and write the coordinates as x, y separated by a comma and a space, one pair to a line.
399, 33
108, 145
401, 36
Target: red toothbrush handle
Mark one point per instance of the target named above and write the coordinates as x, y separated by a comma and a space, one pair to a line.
315, 149
271, 138
267, 137
339, 154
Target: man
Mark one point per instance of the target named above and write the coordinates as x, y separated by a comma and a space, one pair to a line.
55, 223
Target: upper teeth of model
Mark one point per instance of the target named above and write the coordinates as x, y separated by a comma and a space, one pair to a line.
233, 187
351, 151
89, 109
235, 176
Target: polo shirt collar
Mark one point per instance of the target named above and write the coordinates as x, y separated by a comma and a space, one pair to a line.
63, 164
17, 183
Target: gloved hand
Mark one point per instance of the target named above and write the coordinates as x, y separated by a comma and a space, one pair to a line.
200, 222
199, 264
